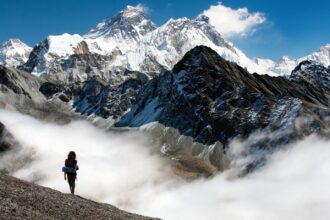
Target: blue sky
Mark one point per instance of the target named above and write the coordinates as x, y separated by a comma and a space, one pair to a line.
292, 27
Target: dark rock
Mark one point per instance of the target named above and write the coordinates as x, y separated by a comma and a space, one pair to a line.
49, 89
211, 99
7, 140
100, 98
313, 73
38, 50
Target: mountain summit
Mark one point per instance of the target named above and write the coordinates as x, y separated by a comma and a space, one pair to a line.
14, 52
129, 24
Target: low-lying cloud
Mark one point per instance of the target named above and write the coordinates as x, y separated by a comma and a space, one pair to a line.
233, 22
123, 170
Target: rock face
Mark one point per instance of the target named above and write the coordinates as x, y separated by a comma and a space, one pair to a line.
54, 100
103, 99
7, 141
211, 99
32, 95
313, 73
23, 200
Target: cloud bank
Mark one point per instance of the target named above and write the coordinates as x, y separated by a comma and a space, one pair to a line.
123, 169
233, 22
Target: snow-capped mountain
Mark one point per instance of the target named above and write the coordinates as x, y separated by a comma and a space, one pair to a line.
321, 56
172, 40
130, 41
312, 72
131, 24
44, 54
286, 65
14, 52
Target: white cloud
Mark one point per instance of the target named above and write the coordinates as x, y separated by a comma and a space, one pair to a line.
122, 170
144, 8
233, 22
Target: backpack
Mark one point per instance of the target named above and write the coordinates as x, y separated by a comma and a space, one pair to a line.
70, 168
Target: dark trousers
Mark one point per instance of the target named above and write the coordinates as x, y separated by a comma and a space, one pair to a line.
72, 181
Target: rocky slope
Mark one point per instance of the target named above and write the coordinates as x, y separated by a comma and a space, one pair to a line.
100, 98
34, 96
14, 52
55, 101
23, 200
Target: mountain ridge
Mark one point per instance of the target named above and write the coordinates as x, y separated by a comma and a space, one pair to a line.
154, 49
130, 40
211, 100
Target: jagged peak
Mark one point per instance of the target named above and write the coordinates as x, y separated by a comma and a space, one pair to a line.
197, 57
306, 63
13, 42
124, 21
312, 72
201, 49
203, 29
14, 52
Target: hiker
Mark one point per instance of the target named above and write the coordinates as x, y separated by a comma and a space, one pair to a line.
70, 170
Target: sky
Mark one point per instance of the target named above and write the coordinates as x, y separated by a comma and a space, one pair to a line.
266, 29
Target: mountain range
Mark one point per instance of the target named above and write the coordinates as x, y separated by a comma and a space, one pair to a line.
131, 41
182, 82
194, 111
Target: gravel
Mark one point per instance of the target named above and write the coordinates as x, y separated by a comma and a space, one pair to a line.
23, 200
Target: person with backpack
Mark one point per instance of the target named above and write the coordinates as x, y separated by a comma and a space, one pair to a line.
70, 170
